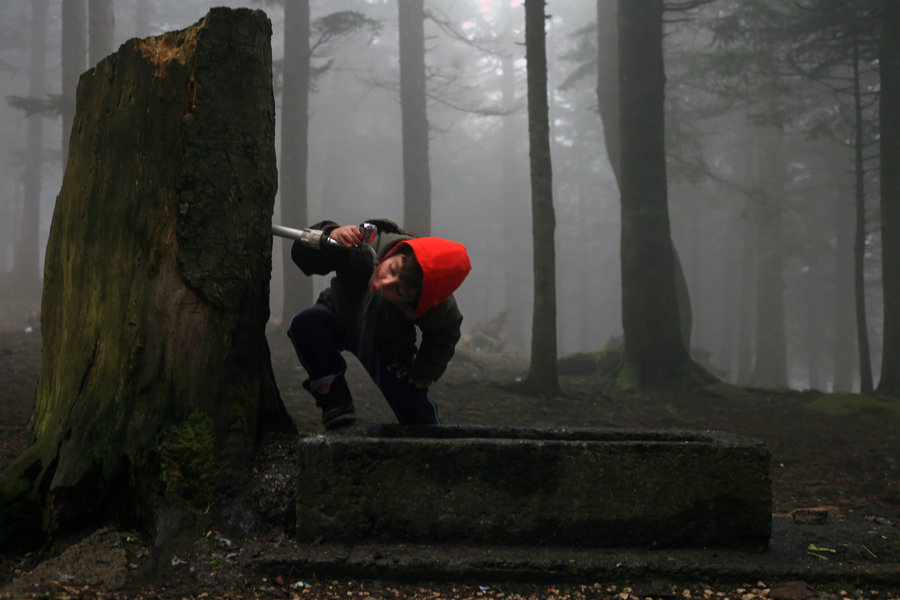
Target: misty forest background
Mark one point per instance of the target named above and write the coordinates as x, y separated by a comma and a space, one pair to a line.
772, 131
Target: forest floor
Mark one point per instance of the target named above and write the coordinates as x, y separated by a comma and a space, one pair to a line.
835, 452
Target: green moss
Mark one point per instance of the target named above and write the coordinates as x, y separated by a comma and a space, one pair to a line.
189, 466
855, 405
628, 378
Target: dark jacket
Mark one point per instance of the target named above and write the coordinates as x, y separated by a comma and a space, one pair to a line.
370, 325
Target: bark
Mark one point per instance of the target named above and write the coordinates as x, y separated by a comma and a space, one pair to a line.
514, 222
74, 62
608, 78
814, 339
542, 374
844, 341
298, 291
26, 268
889, 62
101, 28
142, 11
155, 379
770, 362
413, 106
859, 249
655, 351
608, 105
746, 315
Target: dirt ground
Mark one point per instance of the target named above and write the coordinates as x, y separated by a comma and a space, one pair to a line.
840, 453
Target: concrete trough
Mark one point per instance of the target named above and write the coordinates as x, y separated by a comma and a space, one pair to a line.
525, 486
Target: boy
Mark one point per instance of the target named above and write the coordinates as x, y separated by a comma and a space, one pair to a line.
373, 311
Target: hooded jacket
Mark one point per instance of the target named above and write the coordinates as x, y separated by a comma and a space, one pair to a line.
371, 325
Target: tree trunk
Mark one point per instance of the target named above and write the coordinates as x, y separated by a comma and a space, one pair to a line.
608, 104
859, 244
298, 291
746, 315
844, 340
74, 62
101, 30
542, 375
516, 278
142, 11
416, 174
27, 268
655, 351
156, 380
770, 368
889, 62
608, 78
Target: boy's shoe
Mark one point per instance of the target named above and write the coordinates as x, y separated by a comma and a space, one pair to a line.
333, 396
336, 418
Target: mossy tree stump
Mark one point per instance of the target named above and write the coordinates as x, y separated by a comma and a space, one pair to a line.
156, 378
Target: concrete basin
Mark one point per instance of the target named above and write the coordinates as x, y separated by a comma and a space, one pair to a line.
515, 486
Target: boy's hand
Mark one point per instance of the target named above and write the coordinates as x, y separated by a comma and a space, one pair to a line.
348, 235
419, 384
400, 372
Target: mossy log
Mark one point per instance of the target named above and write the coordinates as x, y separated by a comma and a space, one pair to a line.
156, 379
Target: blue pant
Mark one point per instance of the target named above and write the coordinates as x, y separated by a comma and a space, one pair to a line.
317, 340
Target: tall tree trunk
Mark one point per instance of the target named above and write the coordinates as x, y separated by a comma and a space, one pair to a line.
142, 11
413, 106
859, 245
513, 221
608, 77
746, 315
771, 347
654, 344
542, 375
156, 380
889, 62
101, 30
298, 291
844, 340
74, 62
608, 105
812, 291
27, 269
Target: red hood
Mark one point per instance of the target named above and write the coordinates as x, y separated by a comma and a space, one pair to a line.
444, 263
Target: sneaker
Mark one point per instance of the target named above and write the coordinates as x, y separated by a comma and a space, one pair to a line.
336, 418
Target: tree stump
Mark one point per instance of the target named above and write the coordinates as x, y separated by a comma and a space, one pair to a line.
156, 380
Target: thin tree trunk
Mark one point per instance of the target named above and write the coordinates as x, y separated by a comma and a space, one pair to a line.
101, 30
542, 375
859, 246
74, 62
771, 358
513, 210
608, 78
142, 11
844, 340
813, 327
889, 62
746, 315
416, 174
27, 268
298, 291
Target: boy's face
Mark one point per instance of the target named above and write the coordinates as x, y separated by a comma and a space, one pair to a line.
385, 280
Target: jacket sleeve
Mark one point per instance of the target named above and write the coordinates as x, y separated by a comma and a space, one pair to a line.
440, 328
317, 261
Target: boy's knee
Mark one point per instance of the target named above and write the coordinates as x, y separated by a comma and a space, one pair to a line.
296, 326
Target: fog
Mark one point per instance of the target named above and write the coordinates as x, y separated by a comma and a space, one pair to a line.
355, 173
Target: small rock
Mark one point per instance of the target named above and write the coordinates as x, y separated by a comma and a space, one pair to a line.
810, 516
792, 590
